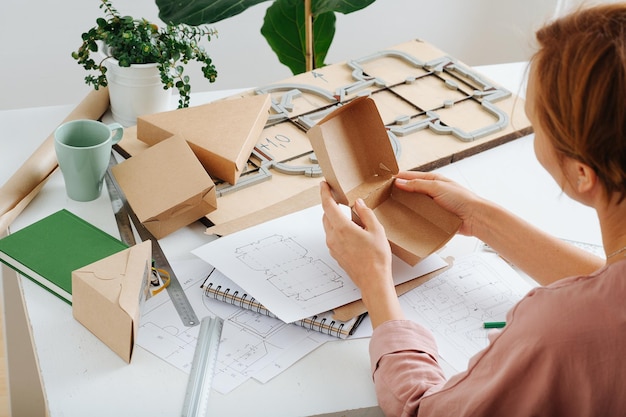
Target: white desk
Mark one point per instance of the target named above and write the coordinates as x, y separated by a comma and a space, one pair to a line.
82, 376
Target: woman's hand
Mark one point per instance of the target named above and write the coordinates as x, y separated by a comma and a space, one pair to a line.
447, 193
364, 253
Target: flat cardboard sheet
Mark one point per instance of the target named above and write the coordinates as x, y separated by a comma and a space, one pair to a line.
305, 199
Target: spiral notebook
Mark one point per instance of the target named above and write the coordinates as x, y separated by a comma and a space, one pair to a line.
221, 288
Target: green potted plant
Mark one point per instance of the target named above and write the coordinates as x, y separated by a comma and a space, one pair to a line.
122, 50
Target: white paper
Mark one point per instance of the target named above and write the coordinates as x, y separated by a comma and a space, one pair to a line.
252, 345
286, 265
455, 304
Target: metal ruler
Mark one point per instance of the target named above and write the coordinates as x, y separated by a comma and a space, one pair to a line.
203, 368
118, 205
122, 211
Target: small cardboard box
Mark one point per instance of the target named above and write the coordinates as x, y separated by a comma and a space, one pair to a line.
107, 296
222, 134
354, 151
166, 186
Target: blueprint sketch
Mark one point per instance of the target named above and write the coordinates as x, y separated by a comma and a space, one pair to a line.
454, 305
252, 345
289, 269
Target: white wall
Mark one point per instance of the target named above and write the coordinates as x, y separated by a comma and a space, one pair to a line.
38, 36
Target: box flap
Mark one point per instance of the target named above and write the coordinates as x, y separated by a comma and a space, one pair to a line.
222, 134
133, 290
164, 182
183, 214
353, 149
415, 224
108, 295
355, 153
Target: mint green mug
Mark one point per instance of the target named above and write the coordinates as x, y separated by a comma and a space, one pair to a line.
83, 148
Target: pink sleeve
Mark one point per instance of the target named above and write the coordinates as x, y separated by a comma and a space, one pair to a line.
510, 377
404, 365
559, 354
409, 380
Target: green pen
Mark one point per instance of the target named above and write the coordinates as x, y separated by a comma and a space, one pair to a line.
494, 324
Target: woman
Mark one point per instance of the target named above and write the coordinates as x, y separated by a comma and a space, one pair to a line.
562, 351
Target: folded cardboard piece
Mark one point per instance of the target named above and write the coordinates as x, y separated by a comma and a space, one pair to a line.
222, 134
355, 154
108, 294
166, 186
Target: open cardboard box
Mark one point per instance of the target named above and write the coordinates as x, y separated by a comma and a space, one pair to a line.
222, 134
107, 296
354, 151
166, 186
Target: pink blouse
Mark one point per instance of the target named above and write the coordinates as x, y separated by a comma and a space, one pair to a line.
562, 353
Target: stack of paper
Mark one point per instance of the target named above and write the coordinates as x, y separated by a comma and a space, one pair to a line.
289, 269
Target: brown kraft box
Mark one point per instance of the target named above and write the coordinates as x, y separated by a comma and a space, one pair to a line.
166, 186
222, 134
357, 160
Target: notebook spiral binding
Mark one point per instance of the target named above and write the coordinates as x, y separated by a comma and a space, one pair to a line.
323, 323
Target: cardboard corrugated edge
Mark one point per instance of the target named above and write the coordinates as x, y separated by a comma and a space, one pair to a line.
113, 319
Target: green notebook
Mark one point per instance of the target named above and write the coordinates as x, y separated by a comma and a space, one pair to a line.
48, 250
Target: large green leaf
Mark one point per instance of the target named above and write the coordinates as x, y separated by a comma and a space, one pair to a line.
283, 28
199, 12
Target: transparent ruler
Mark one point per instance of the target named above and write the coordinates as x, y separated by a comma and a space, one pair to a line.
203, 367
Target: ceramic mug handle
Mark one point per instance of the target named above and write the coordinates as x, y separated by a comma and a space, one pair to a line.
117, 132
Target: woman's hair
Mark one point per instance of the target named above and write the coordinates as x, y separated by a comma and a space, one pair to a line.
580, 89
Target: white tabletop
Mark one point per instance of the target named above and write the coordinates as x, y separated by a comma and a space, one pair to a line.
82, 376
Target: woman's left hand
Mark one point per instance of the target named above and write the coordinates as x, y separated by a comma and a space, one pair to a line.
364, 253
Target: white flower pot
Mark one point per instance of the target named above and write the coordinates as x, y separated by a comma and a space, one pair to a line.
135, 91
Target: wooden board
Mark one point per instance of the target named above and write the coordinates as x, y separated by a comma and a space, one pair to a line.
436, 109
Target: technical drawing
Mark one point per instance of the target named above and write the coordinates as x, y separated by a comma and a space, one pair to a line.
282, 260
455, 304
251, 342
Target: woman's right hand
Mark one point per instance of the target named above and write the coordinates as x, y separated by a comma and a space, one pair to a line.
447, 193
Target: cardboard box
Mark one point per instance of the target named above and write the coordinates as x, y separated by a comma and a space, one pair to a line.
222, 134
107, 296
166, 186
354, 151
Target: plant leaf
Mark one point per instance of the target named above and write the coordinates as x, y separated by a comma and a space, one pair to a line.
283, 28
201, 12
341, 6
283, 25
